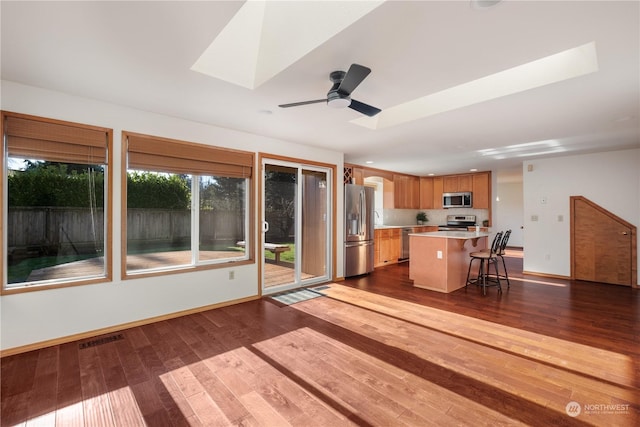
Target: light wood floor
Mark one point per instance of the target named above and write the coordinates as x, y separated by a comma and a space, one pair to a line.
374, 351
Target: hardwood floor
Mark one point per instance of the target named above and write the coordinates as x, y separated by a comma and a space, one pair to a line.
373, 351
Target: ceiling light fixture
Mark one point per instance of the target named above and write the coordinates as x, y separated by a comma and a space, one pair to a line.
483, 4
335, 100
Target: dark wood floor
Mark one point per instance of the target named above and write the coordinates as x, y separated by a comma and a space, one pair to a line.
373, 351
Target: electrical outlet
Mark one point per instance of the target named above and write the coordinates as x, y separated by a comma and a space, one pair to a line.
534, 217
232, 275
439, 254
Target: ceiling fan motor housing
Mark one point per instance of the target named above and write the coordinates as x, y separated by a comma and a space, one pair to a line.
334, 98
337, 77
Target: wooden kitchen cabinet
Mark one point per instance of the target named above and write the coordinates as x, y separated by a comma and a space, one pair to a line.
438, 189
465, 182
426, 193
425, 228
458, 183
395, 251
387, 246
406, 191
388, 191
358, 175
450, 184
482, 190
377, 243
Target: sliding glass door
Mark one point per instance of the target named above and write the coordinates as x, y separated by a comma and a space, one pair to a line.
296, 225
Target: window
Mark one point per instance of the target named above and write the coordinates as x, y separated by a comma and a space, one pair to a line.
187, 205
56, 203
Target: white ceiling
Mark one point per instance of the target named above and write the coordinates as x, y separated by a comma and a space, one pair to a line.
139, 54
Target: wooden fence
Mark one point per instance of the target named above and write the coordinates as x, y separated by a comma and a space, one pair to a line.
83, 231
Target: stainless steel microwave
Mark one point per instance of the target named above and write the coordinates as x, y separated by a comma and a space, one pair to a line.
457, 200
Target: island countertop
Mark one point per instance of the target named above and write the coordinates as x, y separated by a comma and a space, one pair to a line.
452, 234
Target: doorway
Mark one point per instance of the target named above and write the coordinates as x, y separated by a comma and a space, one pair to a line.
603, 246
296, 227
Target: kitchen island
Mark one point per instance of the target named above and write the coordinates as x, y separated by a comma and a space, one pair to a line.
439, 260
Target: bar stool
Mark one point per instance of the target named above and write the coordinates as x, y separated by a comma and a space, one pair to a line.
500, 254
486, 258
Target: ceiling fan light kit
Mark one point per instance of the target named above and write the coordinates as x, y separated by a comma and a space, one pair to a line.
339, 94
335, 100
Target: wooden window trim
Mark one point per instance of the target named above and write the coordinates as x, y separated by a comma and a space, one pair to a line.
22, 131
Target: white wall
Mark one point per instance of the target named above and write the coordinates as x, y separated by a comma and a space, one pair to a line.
38, 316
508, 214
612, 180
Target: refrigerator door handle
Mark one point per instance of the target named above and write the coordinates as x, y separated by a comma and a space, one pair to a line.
357, 244
363, 213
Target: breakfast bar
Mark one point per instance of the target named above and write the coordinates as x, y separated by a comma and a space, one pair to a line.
439, 260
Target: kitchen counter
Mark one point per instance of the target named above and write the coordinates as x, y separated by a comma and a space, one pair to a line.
461, 235
377, 227
439, 260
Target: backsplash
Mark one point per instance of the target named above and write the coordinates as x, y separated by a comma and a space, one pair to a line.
436, 216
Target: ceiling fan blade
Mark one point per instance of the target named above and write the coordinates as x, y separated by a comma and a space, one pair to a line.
353, 78
363, 108
296, 104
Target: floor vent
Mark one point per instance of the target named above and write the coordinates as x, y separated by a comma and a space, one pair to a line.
101, 340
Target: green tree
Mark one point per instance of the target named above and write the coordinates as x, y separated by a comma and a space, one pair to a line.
280, 192
56, 184
158, 191
221, 193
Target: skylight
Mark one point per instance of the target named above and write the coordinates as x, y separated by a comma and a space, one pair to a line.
265, 37
565, 65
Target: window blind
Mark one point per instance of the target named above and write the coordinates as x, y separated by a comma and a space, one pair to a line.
32, 138
165, 155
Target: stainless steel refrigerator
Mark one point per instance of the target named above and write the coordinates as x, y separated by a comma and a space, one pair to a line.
358, 233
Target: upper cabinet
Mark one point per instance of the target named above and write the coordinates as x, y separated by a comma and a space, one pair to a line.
431, 189
457, 183
358, 176
411, 192
426, 193
406, 190
482, 190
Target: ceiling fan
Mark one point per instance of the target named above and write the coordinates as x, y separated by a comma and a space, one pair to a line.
339, 96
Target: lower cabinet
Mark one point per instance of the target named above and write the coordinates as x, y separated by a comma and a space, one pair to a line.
387, 246
388, 243
425, 228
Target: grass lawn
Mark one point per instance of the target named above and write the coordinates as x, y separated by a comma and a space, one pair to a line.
287, 256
